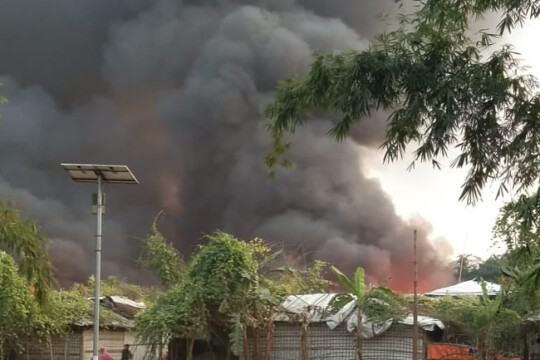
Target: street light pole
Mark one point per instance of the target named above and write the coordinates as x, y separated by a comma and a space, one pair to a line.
100, 174
97, 280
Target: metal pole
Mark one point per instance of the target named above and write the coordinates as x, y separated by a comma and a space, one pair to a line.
415, 305
98, 269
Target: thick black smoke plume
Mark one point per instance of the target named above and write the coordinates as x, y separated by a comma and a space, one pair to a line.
176, 89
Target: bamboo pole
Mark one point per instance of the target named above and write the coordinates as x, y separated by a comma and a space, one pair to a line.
415, 303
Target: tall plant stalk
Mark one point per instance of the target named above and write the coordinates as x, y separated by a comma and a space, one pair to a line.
357, 288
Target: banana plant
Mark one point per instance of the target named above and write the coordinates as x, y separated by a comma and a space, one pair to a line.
357, 287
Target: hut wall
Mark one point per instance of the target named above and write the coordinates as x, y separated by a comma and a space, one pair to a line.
395, 344
62, 347
112, 340
137, 349
323, 343
78, 346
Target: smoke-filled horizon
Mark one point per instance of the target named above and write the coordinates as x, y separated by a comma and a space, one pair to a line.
175, 89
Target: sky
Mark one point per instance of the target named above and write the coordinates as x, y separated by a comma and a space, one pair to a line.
433, 194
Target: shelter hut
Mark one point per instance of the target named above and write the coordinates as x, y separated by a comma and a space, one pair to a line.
116, 329
306, 328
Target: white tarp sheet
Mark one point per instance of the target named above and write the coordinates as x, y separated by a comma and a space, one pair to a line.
466, 288
315, 308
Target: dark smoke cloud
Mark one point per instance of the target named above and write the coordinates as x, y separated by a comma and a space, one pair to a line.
363, 16
176, 90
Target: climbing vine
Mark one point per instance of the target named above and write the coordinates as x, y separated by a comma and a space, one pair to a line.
161, 258
230, 286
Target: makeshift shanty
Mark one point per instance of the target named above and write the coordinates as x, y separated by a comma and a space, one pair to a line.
305, 327
466, 288
115, 330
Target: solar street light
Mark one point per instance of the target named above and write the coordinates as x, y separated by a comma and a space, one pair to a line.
100, 174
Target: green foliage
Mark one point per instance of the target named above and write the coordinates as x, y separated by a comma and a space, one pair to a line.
479, 321
381, 304
162, 259
111, 286
65, 308
516, 227
62, 309
16, 303
23, 240
222, 289
473, 267
286, 280
237, 334
376, 303
441, 89
179, 311
224, 270
356, 286
22, 315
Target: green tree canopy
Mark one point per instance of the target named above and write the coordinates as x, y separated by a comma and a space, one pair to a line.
516, 231
113, 286
221, 290
489, 324
443, 87
22, 239
472, 267
16, 303
229, 285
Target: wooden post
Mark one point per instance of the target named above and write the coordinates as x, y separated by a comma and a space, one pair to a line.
189, 348
415, 303
269, 334
304, 341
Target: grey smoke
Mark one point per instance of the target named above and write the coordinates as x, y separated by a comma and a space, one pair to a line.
176, 90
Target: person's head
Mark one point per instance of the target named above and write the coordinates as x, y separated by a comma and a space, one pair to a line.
126, 346
101, 351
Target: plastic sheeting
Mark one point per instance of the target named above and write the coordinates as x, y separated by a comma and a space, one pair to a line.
316, 308
466, 288
448, 352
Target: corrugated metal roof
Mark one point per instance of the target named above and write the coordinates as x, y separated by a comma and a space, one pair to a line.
316, 308
116, 312
122, 300
122, 305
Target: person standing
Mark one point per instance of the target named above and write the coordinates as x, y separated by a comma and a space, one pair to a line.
126, 354
104, 355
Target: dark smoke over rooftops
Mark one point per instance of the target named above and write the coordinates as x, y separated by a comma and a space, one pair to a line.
175, 89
